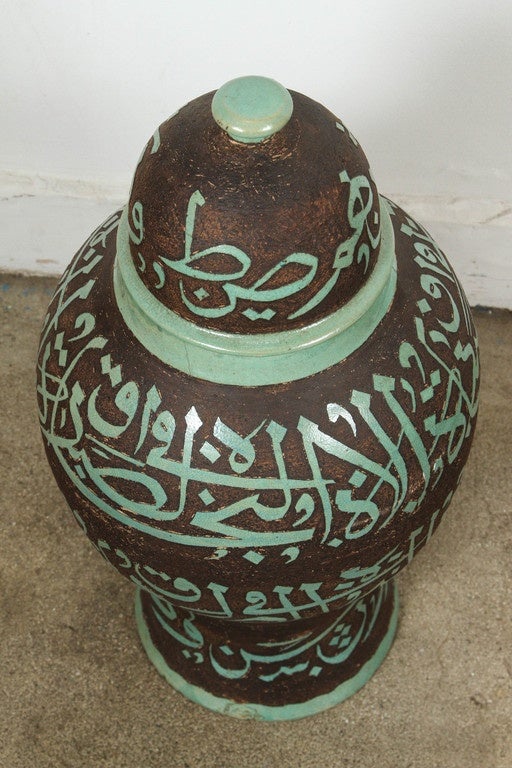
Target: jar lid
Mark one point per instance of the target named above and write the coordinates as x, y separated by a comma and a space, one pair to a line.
253, 211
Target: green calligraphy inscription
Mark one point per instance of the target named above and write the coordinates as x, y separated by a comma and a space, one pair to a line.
201, 265
311, 654
171, 467
129, 454
286, 601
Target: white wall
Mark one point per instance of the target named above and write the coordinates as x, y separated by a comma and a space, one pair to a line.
425, 86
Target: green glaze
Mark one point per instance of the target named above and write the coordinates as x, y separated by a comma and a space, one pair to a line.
253, 359
251, 711
263, 296
168, 463
250, 109
83, 434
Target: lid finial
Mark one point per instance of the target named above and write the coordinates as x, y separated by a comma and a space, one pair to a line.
250, 109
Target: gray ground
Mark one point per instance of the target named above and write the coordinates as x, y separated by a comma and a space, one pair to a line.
76, 689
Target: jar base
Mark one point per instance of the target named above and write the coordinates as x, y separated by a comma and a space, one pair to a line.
269, 671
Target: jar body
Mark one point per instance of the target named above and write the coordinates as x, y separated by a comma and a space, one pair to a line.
275, 512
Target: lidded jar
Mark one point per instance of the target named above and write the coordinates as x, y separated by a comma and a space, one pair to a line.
258, 387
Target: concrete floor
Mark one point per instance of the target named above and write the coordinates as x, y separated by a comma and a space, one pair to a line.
77, 689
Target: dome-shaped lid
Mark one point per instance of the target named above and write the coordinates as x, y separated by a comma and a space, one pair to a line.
253, 210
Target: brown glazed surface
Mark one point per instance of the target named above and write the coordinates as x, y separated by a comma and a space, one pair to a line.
270, 200
263, 524
328, 547
261, 685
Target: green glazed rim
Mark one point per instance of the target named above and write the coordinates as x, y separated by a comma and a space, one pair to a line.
260, 358
252, 711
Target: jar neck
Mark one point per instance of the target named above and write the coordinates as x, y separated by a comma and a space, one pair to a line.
254, 359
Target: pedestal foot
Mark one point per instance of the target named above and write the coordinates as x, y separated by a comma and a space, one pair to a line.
269, 671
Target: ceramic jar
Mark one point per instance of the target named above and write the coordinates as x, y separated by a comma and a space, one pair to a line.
257, 390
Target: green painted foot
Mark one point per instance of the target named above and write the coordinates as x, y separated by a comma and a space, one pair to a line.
270, 671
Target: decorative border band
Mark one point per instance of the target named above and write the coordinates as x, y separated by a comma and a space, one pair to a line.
254, 359
251, 711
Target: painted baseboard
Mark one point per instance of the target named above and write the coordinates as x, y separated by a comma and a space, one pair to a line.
44, 220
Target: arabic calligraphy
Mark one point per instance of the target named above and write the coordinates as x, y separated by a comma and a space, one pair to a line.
201, 265
194, 480
332, 645
287, 601
310, 653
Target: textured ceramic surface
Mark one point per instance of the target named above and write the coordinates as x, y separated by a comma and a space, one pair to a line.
258, 387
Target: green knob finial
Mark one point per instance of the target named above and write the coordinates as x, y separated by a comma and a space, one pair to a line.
250, 109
